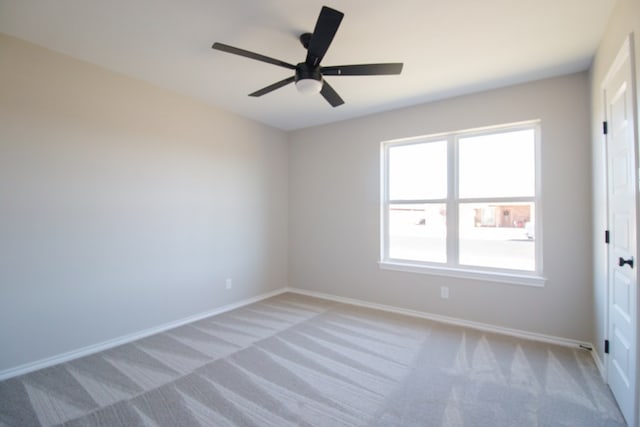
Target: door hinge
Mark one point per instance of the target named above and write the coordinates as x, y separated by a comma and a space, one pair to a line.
606, 236
606, 346
605, 128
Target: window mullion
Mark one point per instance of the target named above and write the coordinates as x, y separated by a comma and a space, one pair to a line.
452, 205
525, 199
417, 201
384, 214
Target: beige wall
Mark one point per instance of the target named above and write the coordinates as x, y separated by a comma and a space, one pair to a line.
624, 20
334, 210
124, 206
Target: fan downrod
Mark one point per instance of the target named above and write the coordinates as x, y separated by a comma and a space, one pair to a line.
305, 39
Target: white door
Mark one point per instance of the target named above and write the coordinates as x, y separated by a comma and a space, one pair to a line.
622, 188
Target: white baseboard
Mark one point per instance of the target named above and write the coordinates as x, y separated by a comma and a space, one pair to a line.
105, 345
533, 336
600, 365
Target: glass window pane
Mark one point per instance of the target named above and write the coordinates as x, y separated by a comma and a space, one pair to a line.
497, 165
418, 232
498, 235
418, 171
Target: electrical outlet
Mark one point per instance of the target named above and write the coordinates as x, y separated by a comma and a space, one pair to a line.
444, 292
229, 284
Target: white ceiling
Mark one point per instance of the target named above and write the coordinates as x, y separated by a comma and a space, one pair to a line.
449, 47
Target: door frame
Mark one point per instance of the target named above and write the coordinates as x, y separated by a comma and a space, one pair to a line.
625, 51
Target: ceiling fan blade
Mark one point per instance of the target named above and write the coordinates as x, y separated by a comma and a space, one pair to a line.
251, 55
331, 95
363, 69
326, 28
273, 87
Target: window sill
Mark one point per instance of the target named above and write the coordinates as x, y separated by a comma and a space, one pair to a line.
487, 276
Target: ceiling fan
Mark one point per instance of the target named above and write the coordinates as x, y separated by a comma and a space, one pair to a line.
309, 75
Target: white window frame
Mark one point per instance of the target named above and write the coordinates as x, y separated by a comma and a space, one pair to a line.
452, 268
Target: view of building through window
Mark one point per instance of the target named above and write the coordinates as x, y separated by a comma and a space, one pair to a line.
467, 200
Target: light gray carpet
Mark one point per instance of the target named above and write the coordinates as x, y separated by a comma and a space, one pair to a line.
298, 361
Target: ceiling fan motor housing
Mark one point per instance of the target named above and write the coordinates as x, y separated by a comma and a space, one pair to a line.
304, 71
308, 79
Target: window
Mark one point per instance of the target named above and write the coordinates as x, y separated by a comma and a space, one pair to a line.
464, 204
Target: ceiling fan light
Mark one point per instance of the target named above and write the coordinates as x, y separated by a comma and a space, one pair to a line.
309, 85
